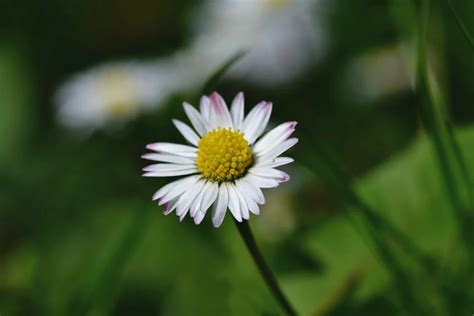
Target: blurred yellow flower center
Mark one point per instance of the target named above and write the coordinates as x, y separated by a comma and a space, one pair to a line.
223, 155
116, 91
119, 109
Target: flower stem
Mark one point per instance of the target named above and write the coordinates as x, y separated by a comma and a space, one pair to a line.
267, 275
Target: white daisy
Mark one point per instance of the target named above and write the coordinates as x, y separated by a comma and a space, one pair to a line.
114, 92
227, 162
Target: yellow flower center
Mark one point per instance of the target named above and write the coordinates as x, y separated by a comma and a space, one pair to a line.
223, 155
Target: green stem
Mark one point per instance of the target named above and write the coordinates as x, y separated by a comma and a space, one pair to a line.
264, 270
458, 153
436, 128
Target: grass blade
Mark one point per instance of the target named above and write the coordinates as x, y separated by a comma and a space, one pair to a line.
462, 26
222, 70
432, 118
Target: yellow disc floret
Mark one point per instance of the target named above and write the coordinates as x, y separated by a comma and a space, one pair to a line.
223, 155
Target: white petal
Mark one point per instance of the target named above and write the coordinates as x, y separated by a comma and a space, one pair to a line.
234, 202
274, 137
209, 196
199, 217
169, 158
176, 173
274, 162
205, 108
196, 119
167, 167
237, 110
220, 207
167, 188
256, 121
250, 202
251, 190
265, 118
244, 209
175, 149
188, 197
177, 190
170, 206
251, 117
187, 132
278, 150
220, 116
276, 174
198, 200
262, 182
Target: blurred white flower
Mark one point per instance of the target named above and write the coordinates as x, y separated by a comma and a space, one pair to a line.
282, 39
380, 72
112, 93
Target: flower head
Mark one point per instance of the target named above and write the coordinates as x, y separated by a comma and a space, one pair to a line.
111, 93
227, 161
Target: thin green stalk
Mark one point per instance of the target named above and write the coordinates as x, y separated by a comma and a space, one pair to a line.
265, 272
106, 280
461, 25
435, 126
219, 72
458, 153
456, 148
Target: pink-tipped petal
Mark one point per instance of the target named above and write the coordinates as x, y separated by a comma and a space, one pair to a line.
274, 137
219, 116
256, 121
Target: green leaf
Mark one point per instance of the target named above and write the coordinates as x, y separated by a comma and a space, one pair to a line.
407, 190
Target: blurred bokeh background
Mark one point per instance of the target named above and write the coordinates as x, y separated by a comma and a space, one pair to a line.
85, 85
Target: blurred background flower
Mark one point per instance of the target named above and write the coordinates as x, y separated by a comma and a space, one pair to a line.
282, 38
114, 93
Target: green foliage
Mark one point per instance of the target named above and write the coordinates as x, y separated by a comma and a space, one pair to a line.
17, 95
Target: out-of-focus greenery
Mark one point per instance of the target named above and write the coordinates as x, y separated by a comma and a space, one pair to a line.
79, 234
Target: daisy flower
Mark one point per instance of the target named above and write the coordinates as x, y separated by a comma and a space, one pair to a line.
113, 93
227, 162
